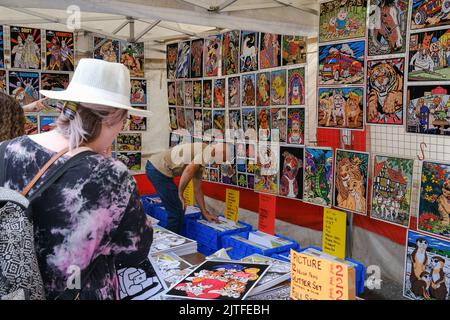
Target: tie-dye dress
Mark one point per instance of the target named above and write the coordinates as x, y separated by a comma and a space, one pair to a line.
93, 210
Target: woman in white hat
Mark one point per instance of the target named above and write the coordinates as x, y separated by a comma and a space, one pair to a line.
91, 219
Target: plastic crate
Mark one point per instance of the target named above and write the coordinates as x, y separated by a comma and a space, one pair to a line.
284, 256
209, 237
205, 250
147, 201
360, 270
240, 249
193, 215
160, 213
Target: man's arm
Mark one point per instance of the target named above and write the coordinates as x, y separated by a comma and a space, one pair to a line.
200, 199
187, 175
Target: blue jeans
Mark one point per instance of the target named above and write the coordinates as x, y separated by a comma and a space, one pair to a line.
168, 191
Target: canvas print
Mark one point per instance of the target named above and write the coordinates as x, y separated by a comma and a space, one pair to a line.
234, 121
385, 91
131, 159
59, 51
387, 27
189, 119
249, 51
24, 86
184, 59
179, 86
207, 121
296, 126
428, 110
137, 123
263, 115
173, 118
234, 92
429, 13
341, 108
181, 120
228, 174
427, 268
106, 49
350, 181
230, 52
318, 176
291, 172
198, 122
31, 125
219, 123
197, 58
53, 82
296, 86
171, 60
248, 90
391, 189
219, 93
263, 89
129, 142
3, 82
270, 51
294, 50
434, 204
278, 124
212, 55
207, 93
47, 123
342, 63
278, 87
266, 169
249, 123
171, 93
2, 48
25, 47
219, 280
429, 56
342, 20
132, 56
197, 92
138, 91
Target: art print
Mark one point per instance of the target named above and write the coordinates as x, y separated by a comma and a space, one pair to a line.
25, 47
181, 119
278, 87
234, 92
207, 93
180, 93
318, 176
249, 51
170, 267
263, 124
266, 169
214, 175
263, 89
278, 124
189, 118
129, 142
270, 51
249, 123
171, 93
219, 93
197, 93
296, 126
429, 13
3, 82
234, 121
2, 48
212, 55
132, 56
248, 90
138, 91
106, 49
59, 51
291, 172
184, 59
296, 86
47, 123
53, 82
171, 60
230, 52
197, 58
131, 159
137, 123
294, 50
219, 123
198, 123
24, 86
242, 181
228, 174
173, 118
207, 121
31, 125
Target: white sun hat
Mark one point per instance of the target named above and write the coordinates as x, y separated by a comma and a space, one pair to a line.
99, 82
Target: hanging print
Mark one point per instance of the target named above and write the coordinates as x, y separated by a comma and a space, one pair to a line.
173, 118
197, 93
278, 87
219, 93
129, 142
266, 170
137, 123
263, 89
181, 120
2, 48
278, 124
270, 51
179, 86
25, 48
31, 125
3, 83
341, 107
391, 189
318, 176
198, 123
434, 205
428, 110
385, 91
228, 174
296, 86
291, 172
234, 92
249, 51
249, 123
263, 124
138, 91
171, 58
197, 58
248, 90
184, 58
59, 51
207, 121
294, 50
132, 56
171, 93
429, 56
234, 121
106, 49
427, 268
342, 63
342, 20
350, 181
131, 159
213, 48
47, 123
296, 126
53, 82
207, 93
219, 123
230, 52
188, 94
24, 86
430, 13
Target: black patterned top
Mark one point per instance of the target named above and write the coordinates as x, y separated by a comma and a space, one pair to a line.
92, 210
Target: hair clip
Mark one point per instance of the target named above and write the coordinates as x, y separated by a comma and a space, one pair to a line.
68, 108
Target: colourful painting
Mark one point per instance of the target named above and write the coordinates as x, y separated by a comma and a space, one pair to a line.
234, 92
24, 86
181, 119
294, 50
59, 51
25, 47
179, 86
249, 51
197, 93
228, 174
342, 20
266, 169
2, 48
132, 56
249, 123
248, 90
197, 58
270, 51
129, 142
385, 91
219, 123
278, 87
106, 49
387, 27
242, 181
53, 82
263, 89
207, 94
427, 267
428, 110
131, 159
263, 124
183, 60
230, 52
430, 13
3, 82
278, 124
137, 123
198, 123
188, 94
296, 126
342, 63
341, 108
291, 172
173, 118
171, 93
138, 91
207, 121
234, 121
171, 60
296, 86
429, 56
31, 125
318, 176
434, 202
212, 55
47, 124
219, 93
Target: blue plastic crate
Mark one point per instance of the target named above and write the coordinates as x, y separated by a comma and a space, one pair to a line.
205, 250
160, 213
240, 249
188, 217
149, 204
360, 271
210, 237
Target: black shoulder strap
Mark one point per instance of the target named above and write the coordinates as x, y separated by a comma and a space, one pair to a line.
3, 147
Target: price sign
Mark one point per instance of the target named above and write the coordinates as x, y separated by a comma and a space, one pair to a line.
267, 207
188, 194
334, 232
232, 205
